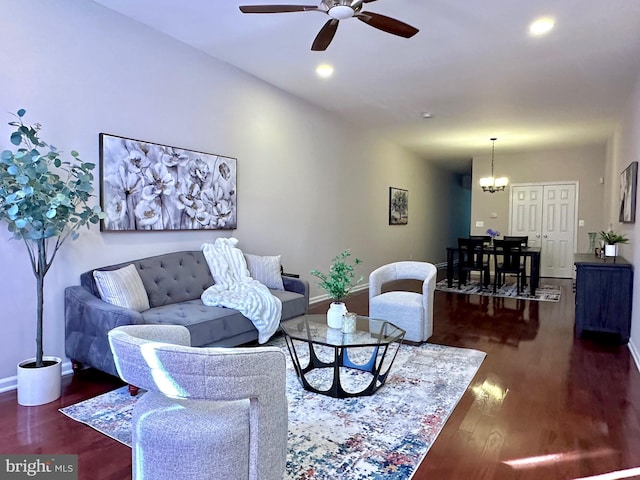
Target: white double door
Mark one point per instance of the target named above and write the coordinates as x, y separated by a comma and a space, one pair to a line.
546, 213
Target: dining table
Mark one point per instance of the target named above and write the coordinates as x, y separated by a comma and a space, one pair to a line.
533, 253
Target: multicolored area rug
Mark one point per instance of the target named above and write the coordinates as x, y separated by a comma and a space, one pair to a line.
544, 293
384, 436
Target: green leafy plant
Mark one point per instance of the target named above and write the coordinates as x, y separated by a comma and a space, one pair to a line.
341, 278
611, 237
43, 199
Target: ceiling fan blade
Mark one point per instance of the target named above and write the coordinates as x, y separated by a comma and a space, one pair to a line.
387, 24
325, 35
276, 8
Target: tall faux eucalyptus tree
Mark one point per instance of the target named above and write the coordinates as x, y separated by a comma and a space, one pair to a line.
44, 200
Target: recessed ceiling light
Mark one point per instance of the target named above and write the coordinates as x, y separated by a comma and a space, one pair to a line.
427, 115
324, 71
541, 26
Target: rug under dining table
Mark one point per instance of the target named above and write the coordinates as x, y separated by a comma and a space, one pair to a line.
544, 293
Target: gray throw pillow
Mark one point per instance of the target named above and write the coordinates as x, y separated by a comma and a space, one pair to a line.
265, 269
122, 287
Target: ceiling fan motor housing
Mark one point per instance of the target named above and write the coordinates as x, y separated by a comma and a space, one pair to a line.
341, 12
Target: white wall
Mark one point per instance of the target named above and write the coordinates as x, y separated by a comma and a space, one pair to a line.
624, 148
309, 185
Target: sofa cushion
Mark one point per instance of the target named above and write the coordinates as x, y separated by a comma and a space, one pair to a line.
122, 287
206, 324
265, 269
293, 304
175, 277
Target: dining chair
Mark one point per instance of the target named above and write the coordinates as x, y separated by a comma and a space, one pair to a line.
472, 257
508, 259
485, 238
524, 241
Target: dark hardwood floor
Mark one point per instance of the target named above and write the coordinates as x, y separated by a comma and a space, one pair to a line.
543, 405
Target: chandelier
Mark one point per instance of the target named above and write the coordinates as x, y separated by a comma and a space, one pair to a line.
492, 184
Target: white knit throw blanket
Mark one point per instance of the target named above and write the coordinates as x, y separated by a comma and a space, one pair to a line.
234, 288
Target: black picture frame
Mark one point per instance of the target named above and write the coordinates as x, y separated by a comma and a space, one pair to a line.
398, 206
147, 186
628, 187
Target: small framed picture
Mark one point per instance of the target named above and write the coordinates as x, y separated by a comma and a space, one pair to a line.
398, 206
628, 182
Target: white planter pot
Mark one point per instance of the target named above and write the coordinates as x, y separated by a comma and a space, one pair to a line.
611, 250
37, 386
335, 313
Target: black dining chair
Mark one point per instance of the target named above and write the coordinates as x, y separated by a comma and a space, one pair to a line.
508, 259
472, 257
485, 238
524, 241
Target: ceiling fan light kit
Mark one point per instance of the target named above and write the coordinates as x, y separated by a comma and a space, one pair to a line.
492, 184
338, 10
341, 12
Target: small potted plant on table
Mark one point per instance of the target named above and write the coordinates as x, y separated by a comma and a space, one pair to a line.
611, 240
338, 283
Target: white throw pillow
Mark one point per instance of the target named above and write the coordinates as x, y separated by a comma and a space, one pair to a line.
122, 287
265, 269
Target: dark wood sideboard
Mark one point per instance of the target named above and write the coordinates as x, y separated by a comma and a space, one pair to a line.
604, 291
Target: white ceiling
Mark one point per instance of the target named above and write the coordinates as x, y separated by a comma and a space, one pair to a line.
473, 65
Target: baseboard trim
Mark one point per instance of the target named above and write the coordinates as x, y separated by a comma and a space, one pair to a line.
634, 354
11, 383
8, 383
325, 297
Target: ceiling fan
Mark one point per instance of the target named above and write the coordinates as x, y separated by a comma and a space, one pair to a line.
338, 10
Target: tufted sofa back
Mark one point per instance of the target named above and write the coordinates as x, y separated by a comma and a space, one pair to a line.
169, 278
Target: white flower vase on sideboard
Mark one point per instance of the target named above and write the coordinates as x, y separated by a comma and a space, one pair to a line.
611, 250
37, 386
335, 313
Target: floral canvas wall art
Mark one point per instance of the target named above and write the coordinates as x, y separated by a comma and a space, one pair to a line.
147, 186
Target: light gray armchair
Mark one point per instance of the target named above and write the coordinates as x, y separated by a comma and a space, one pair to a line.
411, 311
208, 413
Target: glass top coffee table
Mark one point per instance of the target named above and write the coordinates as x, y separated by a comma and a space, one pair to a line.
342, 365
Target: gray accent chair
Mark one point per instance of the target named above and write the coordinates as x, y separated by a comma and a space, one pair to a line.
208, 413
411, 311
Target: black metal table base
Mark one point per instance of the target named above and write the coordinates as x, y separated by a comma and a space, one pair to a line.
341, 360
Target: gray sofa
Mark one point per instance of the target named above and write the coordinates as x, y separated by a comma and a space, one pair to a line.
174, 283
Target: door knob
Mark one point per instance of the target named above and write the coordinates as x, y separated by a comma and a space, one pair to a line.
545, 235
537, 235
